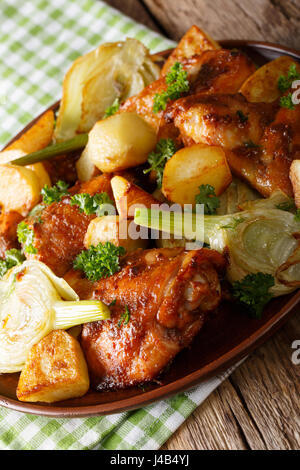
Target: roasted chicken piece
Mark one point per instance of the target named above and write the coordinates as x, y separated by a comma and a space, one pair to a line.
162, 298
267, 167
228, 121
59, 232
8, 231
218, 71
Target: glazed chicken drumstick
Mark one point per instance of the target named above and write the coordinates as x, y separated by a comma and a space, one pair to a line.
161, 298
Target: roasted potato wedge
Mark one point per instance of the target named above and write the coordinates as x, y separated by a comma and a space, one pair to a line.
191, 167
120, 141
19, 189
39, 169
55, 370
85, 167
295, 179
194, 42
128, 196
37, 137
262, 86
112, 229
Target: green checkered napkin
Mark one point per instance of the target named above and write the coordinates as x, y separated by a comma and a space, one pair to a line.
38, 41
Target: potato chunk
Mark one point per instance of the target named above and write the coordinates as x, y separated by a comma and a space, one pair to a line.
111, 229
262, 86
295, 179
55, 370
19, 189
191, 167
120, 141
85, 167
128, 196
194, 42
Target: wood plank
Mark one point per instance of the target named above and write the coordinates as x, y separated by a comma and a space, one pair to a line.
135, 10
264, 20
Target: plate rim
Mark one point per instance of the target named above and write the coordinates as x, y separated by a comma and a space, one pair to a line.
221, 363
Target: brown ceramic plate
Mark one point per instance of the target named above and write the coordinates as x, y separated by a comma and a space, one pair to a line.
224, 340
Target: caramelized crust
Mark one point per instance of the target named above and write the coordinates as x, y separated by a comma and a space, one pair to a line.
168, 293
8, 231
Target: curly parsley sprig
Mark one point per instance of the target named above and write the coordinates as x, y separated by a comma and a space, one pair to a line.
177, 83
55, 193
284, 83
207, 196
157, 159
99, 204
26, 237
111, 110
12, 258
99, 261
254, 291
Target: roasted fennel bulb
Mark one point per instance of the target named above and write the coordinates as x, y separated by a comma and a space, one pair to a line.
33, 302
261, 238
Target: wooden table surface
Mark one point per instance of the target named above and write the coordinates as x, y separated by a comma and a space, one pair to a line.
258, 406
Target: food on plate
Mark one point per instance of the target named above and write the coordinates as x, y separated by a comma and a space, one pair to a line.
112, 228
262, 86
155, 314
128, 196
192, 167
95, 80
33, 303
95, 237
55, 370
119, 142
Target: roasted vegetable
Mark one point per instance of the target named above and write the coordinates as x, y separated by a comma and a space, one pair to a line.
95, 80
31, 306
295, 179
258, 239
120, 142
269, 82
55, 370
115, 230
192, 167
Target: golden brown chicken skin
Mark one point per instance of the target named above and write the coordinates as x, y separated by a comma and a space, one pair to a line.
59, 231
167, 294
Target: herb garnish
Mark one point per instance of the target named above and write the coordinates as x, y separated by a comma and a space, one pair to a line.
99, 261
55, 193
284, 83
253, 291
177, 83
235, 222
111, 110
26, 236
12, 258
125, 317
287, 101
157, 159
207, 196
97, 204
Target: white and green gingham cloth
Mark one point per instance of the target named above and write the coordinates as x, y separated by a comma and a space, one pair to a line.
39, 39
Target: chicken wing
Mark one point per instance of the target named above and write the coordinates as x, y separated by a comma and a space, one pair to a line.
228, 121
59, 233
162, 297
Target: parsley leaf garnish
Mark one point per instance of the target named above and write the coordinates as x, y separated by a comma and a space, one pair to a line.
99, 261
26, 237
287, 101
242, 117
125, 317
12, 258
284, 83
207, 196
55, 193
97, 204
111, 110
157, 159
177, 83
253, 291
